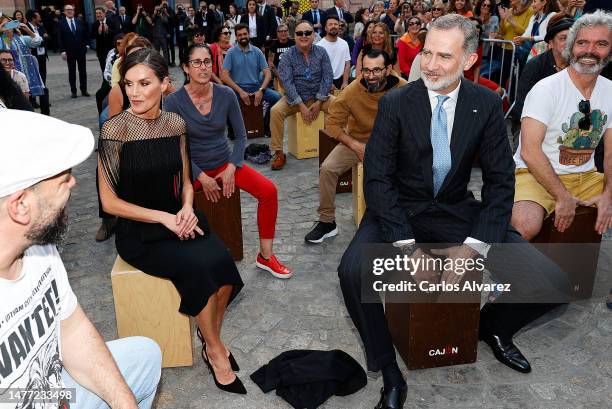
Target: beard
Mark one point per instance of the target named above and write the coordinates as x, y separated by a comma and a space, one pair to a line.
244, 42
333, 32
443, 82
588, 69
375, 86
53, 232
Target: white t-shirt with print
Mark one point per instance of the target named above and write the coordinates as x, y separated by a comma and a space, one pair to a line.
31, 309
338, 52
554, 102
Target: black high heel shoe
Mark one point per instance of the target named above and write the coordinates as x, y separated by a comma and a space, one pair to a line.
235, 387
231, 358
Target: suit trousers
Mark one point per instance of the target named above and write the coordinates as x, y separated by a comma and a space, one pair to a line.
526, 269
74, 61
279, 112
339, 160
182, 48
161, 43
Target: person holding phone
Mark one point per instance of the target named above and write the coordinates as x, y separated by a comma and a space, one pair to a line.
392, 12
513, 22
142, 22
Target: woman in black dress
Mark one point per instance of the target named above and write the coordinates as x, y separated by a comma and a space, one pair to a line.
146, 183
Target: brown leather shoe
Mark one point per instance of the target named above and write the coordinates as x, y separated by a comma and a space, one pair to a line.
106, 229
278, 160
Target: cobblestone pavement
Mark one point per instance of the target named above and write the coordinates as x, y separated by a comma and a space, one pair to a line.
570, 354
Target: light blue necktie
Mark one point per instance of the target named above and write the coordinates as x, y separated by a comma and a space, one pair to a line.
441, 147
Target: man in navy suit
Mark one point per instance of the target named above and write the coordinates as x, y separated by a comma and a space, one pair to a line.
418, 163
339, 11
269, 19
315, 16
73, 43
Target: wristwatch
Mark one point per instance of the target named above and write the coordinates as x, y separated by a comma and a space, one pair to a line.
262, 89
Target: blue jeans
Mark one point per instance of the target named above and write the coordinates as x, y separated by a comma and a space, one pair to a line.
270, 96
139, 360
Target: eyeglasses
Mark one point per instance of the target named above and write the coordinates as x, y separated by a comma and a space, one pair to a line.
198, 63
414, 23
306, 33
226, 32
485, 5
198, 35
585, 108
437, 9
6, 60
375, 71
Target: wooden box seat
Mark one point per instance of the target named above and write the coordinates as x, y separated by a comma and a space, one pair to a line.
578, 261
359, 204
225, 220
253, 118
433, 335
326, 145
148, 306
304, 139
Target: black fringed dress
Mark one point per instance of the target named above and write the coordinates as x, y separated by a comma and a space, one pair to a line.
142, 160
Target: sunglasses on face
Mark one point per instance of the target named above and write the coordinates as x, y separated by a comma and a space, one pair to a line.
198, 35
306, 33
414, 23
226, 32
485, 6
585, 108
436, 9
198, 63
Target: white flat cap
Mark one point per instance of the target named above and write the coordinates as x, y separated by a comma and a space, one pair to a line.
34, 147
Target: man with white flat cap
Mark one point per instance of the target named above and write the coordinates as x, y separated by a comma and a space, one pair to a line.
50, 353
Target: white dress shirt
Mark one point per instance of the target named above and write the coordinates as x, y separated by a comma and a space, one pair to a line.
252, 26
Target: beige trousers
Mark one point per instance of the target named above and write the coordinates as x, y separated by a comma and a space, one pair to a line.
279, 112
340, 159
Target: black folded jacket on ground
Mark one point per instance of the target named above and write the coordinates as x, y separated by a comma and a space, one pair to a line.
307, 378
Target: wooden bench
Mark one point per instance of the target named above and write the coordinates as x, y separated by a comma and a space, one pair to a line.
326, 145
359, 204
225, 220
253, 118
433, 335
578, 261
304, 139
148, 306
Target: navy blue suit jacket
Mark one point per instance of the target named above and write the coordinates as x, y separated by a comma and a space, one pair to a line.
309, 16
74, 44
398, 180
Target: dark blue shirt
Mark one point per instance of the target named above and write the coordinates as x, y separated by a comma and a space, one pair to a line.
305, 80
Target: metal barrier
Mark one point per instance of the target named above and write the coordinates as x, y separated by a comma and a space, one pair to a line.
513, 77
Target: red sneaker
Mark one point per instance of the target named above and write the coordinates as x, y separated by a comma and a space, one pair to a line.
273, 266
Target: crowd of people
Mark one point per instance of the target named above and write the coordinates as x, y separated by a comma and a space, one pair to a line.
413, 109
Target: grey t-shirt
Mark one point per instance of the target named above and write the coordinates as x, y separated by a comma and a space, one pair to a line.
208, 146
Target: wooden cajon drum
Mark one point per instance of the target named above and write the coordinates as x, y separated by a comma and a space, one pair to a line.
432, 335
359, 204
326, 145
278, 87
579, 262
148, 306
253, 118
225, 220
304, 139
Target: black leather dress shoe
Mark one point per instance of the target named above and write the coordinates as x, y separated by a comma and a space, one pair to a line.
507, 353
393, 398
73, 95
85, 94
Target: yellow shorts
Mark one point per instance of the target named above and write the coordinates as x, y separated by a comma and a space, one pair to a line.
583, 186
